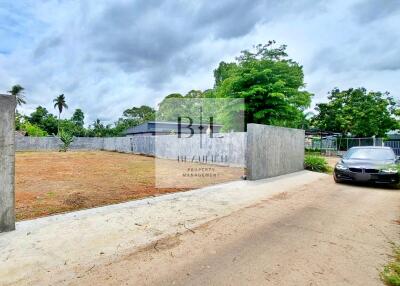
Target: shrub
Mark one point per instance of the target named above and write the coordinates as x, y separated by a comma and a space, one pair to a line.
67, 139
32, 129
316, 163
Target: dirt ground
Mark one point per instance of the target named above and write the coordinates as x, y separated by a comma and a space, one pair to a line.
53, 182
332, 160
323, 234
301, 229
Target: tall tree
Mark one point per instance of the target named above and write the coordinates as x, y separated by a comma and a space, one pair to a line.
60, 104
357, 112
18, 91
78, 117
271, 84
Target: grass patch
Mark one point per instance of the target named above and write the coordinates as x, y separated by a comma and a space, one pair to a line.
312, 152
391, 271
317, 164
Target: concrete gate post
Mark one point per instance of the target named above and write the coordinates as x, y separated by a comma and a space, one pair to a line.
7, 162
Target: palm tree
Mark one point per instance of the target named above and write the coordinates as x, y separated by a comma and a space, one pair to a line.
59, 102
17, 91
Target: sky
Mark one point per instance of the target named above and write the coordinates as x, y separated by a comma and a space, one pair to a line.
107, 56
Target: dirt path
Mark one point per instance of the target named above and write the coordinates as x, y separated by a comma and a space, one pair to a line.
322, 234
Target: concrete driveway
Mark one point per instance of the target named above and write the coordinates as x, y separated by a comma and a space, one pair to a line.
299, 229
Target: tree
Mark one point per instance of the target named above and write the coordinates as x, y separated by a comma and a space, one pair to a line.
357, 112
270, 83
78, 117
66, 138
60, 104
98, 129
140, 114
45, 120
175, 105
18, 91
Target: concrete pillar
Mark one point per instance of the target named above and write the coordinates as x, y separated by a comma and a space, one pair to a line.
7, 162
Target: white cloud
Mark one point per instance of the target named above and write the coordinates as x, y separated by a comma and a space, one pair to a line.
108, 56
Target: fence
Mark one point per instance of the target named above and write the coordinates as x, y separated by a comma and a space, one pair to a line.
332, 145
233, 145
279, 145
395, 145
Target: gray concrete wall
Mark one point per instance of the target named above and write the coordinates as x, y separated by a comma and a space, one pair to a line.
229, 150
26, 143
7, 162
273, 151
233, 145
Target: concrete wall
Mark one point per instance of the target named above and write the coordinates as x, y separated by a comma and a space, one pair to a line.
26, 143
229, 150
266, 151
7, 162
167, 146
273, 151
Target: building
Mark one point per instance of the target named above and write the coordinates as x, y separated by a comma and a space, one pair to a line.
152, 128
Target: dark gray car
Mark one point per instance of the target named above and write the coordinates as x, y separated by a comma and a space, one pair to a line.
368, 164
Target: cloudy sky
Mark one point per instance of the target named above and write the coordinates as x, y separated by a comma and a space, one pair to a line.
106, 56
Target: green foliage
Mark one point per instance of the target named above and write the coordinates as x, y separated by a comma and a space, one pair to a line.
139, 115
358, 112
72, 128
269, 82
18, 91
67, 139
32, 129
78, 118
60, 103
391, 272
18, 120
45, 120
316, 163
98, 129
175, 105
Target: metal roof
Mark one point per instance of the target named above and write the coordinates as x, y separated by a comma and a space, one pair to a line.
163, 127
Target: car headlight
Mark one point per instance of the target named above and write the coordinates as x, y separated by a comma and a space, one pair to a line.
389, 171
341, 167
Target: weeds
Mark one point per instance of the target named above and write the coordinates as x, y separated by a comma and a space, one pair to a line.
391, 271
316, 163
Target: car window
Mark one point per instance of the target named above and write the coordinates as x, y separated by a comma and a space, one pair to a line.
370, 153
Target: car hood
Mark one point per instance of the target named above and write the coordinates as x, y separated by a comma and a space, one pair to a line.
370, 164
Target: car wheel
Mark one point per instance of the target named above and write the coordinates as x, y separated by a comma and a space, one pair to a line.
338, 181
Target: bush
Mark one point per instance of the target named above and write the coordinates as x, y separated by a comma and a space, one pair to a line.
67, 139
316, 163
32, 129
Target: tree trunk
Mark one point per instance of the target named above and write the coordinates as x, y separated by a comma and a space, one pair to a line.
58, 125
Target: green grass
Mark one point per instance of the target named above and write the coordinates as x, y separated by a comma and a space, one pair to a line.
316, 163
391, 271
312, 152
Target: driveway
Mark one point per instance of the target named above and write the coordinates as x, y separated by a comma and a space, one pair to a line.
301, 229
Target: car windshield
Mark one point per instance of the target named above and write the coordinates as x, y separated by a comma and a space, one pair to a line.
370, 154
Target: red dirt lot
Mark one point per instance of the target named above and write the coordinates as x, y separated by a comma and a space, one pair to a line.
54, 182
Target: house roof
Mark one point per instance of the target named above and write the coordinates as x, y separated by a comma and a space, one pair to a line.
162, 127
